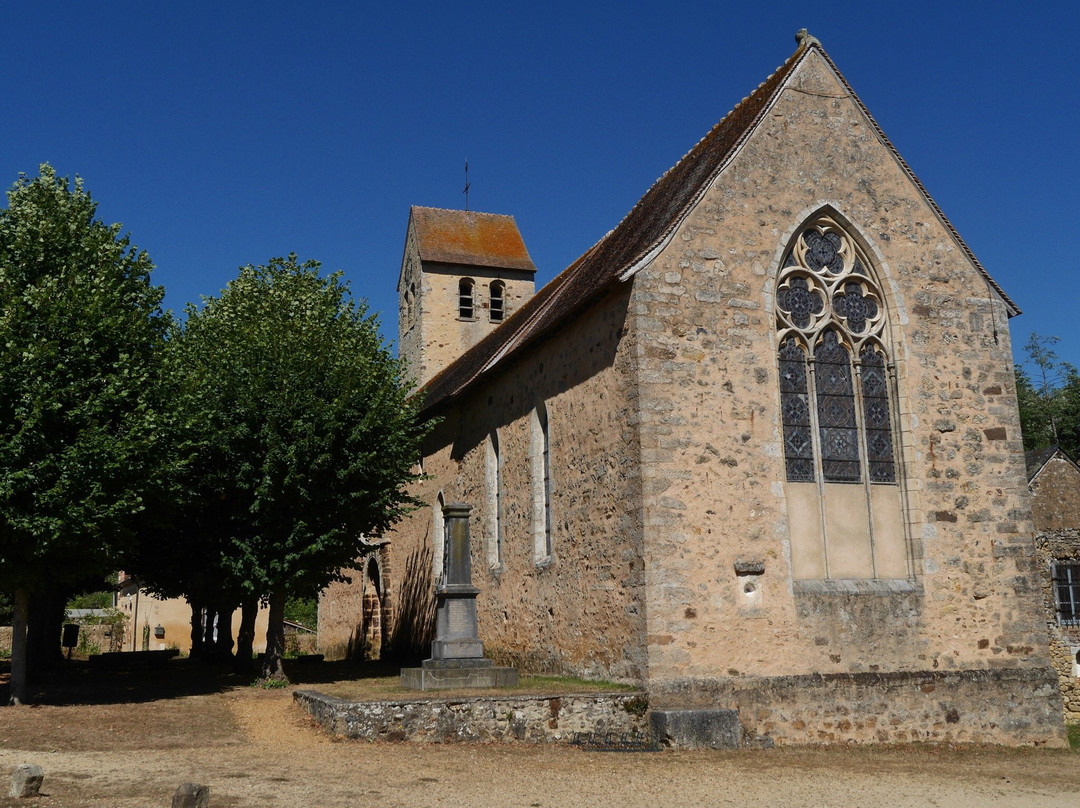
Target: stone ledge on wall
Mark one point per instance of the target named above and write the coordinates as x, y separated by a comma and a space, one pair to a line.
1008, 706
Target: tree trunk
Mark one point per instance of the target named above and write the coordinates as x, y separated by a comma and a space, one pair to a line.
206, 649
224, 642
245, 637
44, 624
275, 639
18, 648
196, 628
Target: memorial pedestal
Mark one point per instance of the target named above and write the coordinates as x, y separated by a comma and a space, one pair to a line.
457, 654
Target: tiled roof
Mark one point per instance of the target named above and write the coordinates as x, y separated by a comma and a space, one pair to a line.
644, 229
1037, 458
471, 238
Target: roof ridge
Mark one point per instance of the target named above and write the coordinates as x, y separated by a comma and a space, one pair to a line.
625, 245
459, 210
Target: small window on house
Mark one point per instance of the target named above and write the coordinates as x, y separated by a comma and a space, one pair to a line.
1066, 578
466, 308
497, 308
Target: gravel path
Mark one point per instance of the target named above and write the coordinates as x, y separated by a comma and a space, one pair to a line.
256, 748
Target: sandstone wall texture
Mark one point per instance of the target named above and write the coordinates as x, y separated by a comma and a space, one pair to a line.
712, 457
1016, 706
580, 609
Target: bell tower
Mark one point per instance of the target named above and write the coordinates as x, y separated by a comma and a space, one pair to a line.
463, 274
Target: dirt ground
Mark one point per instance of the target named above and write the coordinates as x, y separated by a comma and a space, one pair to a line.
129, 739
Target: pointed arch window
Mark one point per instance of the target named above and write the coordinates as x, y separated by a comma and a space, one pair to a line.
836, 415
438, 539
540, 452
493, 486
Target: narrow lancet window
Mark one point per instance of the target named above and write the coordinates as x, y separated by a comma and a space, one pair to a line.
836, 412
465, 299
496, 304
875, 396
795, 409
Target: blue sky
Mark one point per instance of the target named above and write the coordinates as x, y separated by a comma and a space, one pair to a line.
225, 134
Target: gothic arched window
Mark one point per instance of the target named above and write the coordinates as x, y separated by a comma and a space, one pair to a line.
493, 495
845, 509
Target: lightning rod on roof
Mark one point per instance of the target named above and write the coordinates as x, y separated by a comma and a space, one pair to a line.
467, 184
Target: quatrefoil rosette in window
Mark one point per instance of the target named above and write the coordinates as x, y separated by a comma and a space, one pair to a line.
824, 281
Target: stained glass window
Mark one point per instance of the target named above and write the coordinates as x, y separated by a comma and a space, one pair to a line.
836, 412
831, 318
875, 396
795, 409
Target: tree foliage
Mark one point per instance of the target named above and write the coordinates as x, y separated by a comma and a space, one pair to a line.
1049, 398
302, 431
80, 331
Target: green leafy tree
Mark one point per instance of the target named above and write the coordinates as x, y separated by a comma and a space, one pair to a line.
80, 331
304, 432
1049, 398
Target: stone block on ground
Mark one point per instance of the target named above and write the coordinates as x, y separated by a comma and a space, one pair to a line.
191, 795
697, 729
26, 781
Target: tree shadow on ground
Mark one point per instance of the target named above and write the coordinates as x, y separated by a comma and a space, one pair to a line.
82, 682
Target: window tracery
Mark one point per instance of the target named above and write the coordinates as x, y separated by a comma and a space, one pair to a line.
830, 319
845, 508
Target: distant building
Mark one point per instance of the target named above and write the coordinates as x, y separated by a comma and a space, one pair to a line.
168, 620
1054, 481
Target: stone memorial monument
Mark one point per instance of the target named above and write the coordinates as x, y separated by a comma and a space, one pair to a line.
457, 654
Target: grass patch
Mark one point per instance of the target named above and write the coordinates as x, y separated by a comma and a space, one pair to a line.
1074, 735
374, 688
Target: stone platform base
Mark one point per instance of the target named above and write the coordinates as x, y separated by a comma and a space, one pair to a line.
459, 673
607, 721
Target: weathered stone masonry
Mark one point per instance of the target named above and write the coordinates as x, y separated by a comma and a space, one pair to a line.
655, 356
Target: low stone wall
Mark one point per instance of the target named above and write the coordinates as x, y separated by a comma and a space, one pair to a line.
593, 719
1013, 707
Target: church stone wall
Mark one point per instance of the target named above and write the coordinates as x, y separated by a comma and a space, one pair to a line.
582, 611
722, 600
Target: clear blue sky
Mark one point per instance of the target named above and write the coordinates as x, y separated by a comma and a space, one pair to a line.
223, 134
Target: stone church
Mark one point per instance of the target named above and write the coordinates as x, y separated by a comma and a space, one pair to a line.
756, 449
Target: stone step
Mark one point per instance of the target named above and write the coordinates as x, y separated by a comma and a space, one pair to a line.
697, 729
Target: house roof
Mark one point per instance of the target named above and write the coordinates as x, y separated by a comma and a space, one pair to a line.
470, 238
1036, 459
643, 232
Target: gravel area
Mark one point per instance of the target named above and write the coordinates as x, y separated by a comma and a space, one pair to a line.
255, 747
